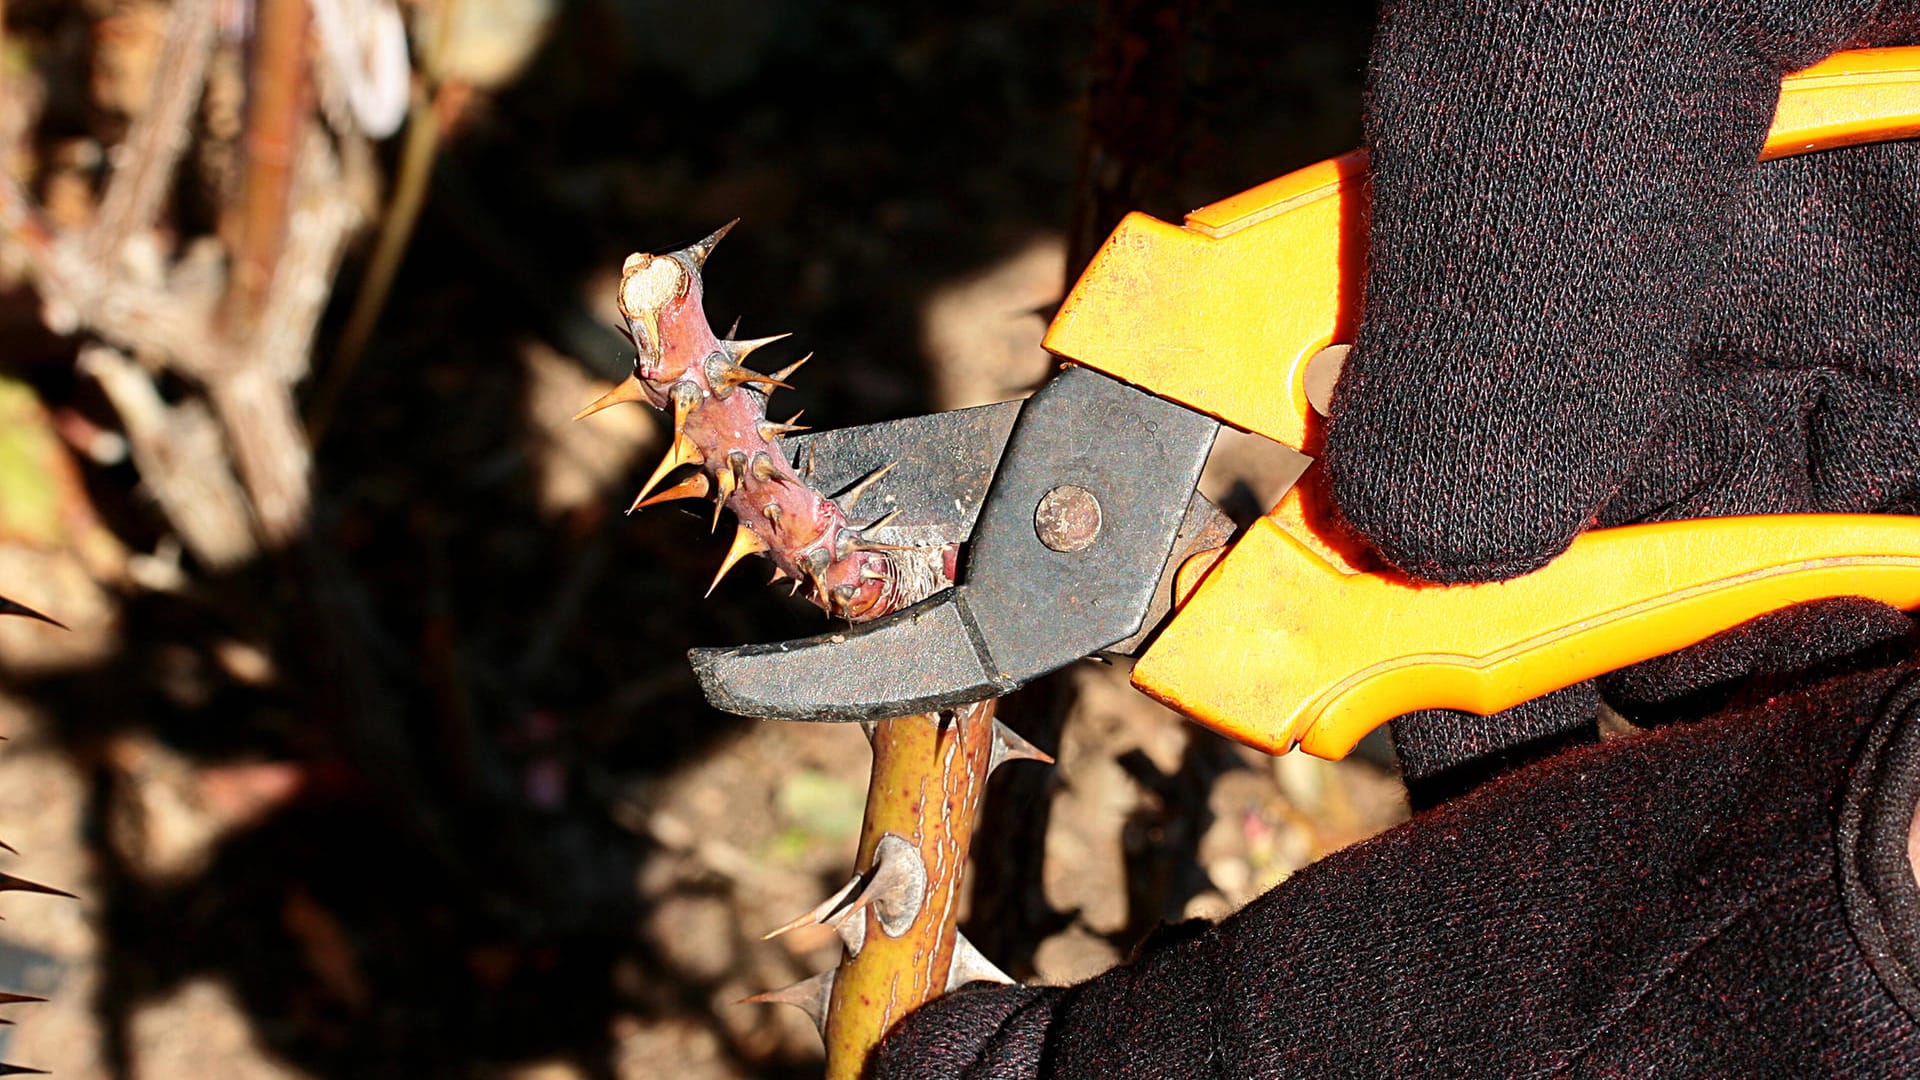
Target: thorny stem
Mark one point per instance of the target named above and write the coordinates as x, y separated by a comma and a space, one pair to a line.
927, 779
928, 771
719, 412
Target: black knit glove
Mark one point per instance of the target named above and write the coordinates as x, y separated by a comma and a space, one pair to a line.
1587, 305
1745, 907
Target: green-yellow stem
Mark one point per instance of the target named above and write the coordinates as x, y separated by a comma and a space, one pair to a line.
926, 787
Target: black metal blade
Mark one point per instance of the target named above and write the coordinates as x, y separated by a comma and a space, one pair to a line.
924, 658
1023, 608
944, 464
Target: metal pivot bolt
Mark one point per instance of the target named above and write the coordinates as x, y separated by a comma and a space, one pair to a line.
1067, 519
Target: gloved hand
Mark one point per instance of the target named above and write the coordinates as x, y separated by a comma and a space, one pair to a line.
1588, 305
1745, 908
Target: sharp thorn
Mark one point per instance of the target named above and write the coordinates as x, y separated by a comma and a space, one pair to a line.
693, 487
685, 395
808, 995
1008, 745
682, 452
767, 382
850, 924
728, 482
795, 590
771, 431
14, 607
9, 883
868, 573
698, 251
19, 999
813, 564
732, 376
851, 496
740, 350
861, 543
629, 389
735, 328
969, 966
819, 912
745, 542
19, 1070
8, 848
786, 372
780, 574
761, 468
880, 522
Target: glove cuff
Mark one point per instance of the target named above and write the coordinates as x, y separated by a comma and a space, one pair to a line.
1876, 871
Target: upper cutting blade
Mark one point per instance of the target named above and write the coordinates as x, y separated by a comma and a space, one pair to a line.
943, 464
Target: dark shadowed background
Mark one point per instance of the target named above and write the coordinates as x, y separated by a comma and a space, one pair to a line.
415, 782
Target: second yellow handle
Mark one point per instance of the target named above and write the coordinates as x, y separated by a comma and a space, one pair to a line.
1223, 313
1282, 646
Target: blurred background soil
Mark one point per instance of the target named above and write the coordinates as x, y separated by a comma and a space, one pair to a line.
371, 750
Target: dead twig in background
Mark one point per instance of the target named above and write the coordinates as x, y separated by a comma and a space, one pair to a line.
253, 390
145, 163
181, 457
280, 101
245, 344
417, 156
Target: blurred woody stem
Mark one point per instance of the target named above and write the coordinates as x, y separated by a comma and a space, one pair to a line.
280, 93
269, 446
229, 466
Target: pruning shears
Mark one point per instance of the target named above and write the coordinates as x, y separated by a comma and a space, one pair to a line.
1085, 532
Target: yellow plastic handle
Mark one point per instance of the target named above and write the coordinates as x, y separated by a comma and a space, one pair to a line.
1223, 313
1291, 639
1869, 95
1282, 646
